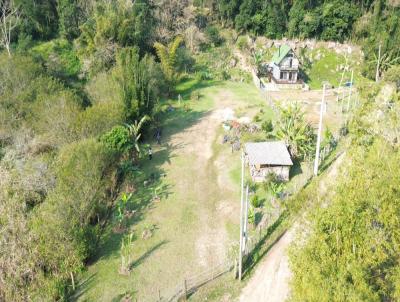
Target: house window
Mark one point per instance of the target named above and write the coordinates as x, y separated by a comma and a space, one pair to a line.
290, 73
281, 76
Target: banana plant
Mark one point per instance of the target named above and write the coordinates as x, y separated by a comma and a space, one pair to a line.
135, 135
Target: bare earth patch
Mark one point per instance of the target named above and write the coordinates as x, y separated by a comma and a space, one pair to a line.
271, 280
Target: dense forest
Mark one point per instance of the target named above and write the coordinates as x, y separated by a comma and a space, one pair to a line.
81, 80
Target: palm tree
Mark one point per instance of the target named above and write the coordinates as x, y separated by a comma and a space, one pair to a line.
295, 131
134, 132
167, 55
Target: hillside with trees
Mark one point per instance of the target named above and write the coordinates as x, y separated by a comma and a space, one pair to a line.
85, 87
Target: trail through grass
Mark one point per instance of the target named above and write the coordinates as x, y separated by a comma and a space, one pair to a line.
196, 220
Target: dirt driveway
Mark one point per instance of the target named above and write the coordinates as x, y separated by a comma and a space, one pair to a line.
270, 283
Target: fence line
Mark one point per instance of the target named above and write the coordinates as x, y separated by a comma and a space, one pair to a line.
192, 283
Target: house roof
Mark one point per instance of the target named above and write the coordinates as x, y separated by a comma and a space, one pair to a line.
280, 54
268, 153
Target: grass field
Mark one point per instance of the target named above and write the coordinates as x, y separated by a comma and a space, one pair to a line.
195, 223
196, 220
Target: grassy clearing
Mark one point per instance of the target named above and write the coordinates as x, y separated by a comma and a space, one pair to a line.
187, 197
325, 65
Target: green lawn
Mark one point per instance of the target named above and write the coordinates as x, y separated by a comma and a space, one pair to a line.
189, 203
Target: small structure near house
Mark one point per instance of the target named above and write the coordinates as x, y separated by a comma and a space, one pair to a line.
268, 157
284, 67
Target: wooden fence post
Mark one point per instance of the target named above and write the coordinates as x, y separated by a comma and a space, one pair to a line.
185, 290
235, 269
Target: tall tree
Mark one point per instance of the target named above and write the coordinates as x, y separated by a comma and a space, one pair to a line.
9, 19
168, 55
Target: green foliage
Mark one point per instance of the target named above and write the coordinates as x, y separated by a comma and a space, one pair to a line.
242, 43
135, 134
121, 207
39, 18
97, 119
139, 83
352, 252
126, 252
393, 74
295, 131
267, 127
63, 225
59, 58
212, 34
256, 202
118, 139
168, 56
252, 216
70, 18
114, 24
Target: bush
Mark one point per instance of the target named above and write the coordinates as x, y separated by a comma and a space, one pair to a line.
59, 58
256, 201
242, 43
393, 75
256, 118
212, 35
204, 75
98, 119
117, 139
267, 126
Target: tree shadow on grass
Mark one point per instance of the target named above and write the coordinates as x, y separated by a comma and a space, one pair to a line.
173, 122
188, 85
147, 254
82, 288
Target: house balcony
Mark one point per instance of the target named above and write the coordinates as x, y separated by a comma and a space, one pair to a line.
287, 81
289, 68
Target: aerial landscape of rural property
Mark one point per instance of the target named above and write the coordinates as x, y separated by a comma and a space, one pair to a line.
199, 150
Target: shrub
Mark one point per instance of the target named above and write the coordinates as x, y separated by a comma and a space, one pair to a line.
242, 43
256, 118
212, 35
98, 119
204, 75
267, 126
117, 139
393, 75
256, 201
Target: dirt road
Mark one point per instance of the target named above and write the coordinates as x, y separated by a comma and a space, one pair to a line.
270, 282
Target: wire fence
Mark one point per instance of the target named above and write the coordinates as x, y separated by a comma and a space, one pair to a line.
192, 283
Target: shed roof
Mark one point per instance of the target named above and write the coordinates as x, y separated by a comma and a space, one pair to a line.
268, 153
281, 53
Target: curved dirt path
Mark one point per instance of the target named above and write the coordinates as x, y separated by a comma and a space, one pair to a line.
272, 277
271, 280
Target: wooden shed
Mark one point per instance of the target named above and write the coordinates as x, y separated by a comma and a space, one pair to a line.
268, 157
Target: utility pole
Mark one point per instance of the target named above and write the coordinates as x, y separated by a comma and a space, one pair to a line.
241, 220
246, 217
316, 163
351, 88
378, 63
